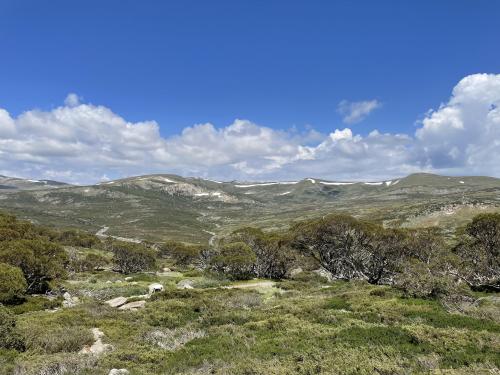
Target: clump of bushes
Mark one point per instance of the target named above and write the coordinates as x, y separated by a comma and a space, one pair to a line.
87, 263
79, 238
40, 261
131, 257
12, 283
479, 252
236, 260
182, 254
33, 250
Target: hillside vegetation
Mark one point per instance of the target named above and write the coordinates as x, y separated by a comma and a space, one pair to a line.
169, 207
332, 295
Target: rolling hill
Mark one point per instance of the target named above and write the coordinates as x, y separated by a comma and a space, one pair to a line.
157, 207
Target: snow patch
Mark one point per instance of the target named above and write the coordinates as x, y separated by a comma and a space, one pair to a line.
373, 183
268, 184
206, 194
462, 182
285, 193
167, 180
336, 183
312, 180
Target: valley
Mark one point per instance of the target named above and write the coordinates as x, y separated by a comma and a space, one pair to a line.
192, 210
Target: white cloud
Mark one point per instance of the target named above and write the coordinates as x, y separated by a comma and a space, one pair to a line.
354, 112
464, 133
86, 143
72, 100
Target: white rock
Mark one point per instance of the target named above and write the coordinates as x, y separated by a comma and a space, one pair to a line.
295, 272
324, 273
117, 302
118, 371
185, 284
133, 305
70, 301
155, 287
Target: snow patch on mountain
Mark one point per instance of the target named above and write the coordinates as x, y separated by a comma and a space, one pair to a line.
336, 183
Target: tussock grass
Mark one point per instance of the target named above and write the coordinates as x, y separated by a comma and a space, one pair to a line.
310, 327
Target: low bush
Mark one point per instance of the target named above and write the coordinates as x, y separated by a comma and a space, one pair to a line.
182, 254
75, 237
12, 283
56, 339
35, 303
10, 338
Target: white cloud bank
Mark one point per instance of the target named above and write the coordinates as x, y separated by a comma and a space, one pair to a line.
354, 112
84, 143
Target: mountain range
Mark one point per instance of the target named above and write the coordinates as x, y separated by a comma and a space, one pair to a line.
165, 206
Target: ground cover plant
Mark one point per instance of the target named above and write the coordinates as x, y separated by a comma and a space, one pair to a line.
327, 296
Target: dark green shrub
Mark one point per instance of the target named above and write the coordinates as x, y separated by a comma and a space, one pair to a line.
41, 262
12, 283
236, 260
74, 237
479, 252
182, 254
130, 257
274, 256
88, 263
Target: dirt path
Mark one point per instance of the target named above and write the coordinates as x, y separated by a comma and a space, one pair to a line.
211, 240
102, 233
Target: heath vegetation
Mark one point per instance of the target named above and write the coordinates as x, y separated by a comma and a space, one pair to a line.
334, 295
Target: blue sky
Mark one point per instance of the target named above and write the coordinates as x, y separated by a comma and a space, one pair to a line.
278, 64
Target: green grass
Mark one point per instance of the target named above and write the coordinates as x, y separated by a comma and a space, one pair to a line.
307, 328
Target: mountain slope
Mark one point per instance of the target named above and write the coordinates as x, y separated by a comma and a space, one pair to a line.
162, 206
13, 183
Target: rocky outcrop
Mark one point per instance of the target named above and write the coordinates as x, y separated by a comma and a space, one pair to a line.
117, 302
70, 301
133, 305
98, 347
185, 284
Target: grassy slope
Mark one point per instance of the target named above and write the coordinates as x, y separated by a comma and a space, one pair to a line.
139, 208
303, 326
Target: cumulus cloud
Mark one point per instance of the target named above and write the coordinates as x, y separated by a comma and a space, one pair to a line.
72, 100
84, 143
354, 112
464, 133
